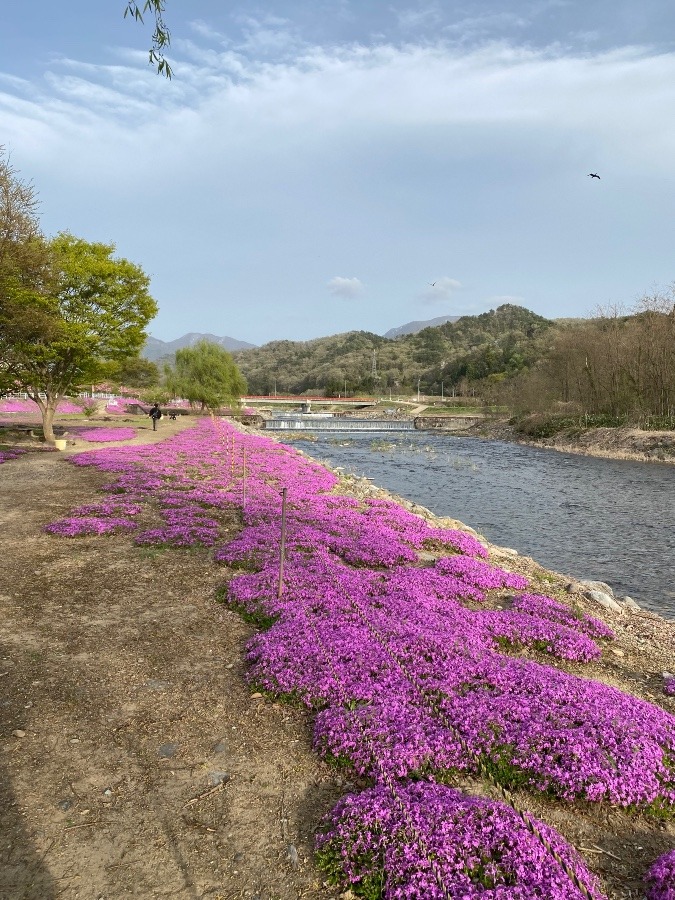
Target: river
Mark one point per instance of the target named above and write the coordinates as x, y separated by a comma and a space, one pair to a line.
608, 520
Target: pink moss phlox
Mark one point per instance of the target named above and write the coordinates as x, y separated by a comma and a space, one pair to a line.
575, 737
669, 685
480, 847
105, 517
527, 630
428, 682
479, 573
29, 406
660, 879
7, 455
17, 406
74, 527
547, 608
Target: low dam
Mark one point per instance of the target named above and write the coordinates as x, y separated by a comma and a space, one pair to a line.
300, 422
312, 423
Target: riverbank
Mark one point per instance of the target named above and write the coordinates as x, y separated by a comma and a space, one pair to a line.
609, 443
142, 762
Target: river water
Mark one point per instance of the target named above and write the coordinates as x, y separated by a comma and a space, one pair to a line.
608, 520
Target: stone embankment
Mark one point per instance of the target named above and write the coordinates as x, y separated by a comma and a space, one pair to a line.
457, 423
610, 443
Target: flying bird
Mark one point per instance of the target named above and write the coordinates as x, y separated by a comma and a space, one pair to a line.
431, 284
593, 175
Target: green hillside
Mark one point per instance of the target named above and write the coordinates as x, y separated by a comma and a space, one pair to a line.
503, 341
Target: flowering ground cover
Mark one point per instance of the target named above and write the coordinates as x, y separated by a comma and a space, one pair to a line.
409, 679
120, 405
660, 878
13, 453
480, 848
29, 406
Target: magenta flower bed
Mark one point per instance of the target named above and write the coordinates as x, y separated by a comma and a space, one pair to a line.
105, 435
409, 678
669, 686
97, 518
28, 406
660, 878
14, 453
480, 849
17, 406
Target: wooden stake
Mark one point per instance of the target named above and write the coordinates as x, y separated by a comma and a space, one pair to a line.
243, 477
282, 547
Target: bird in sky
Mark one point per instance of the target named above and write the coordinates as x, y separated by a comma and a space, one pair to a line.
431, 284
593, 175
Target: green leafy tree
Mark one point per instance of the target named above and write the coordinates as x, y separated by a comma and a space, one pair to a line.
23, 260
207, 375
137, 372
74, 325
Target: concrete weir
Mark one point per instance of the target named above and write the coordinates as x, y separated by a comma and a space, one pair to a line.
311, 423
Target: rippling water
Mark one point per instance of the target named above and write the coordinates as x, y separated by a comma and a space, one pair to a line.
609, 520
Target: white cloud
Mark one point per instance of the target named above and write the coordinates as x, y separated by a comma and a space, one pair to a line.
440, 291
204, 30
619, 101
251, 165
347, 288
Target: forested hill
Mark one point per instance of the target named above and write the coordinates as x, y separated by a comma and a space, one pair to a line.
504, 340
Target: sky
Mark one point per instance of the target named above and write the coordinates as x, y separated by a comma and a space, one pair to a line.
320, 166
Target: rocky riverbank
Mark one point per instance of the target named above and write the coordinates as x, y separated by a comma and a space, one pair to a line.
610, 443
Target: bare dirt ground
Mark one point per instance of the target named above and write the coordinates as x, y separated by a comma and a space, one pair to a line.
136, 762
133, 760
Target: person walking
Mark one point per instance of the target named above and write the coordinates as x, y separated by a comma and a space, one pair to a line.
155, 415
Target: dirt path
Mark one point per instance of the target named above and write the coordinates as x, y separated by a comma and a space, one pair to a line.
134, 760
122, 704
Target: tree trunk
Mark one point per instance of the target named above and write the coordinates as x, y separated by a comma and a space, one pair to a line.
48, 409
48, 421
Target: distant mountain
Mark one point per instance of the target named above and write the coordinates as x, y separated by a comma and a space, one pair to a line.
155, 349
502, 341
414, 327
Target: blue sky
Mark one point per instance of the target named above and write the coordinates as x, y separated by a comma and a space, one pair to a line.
315, 165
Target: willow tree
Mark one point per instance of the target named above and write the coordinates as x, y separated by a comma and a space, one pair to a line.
72, 326
161, 37
206, 374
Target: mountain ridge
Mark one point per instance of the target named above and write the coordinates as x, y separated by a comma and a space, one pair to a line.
418, 325
155, 349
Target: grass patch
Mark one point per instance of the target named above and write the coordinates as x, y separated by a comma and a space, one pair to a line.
258, 617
